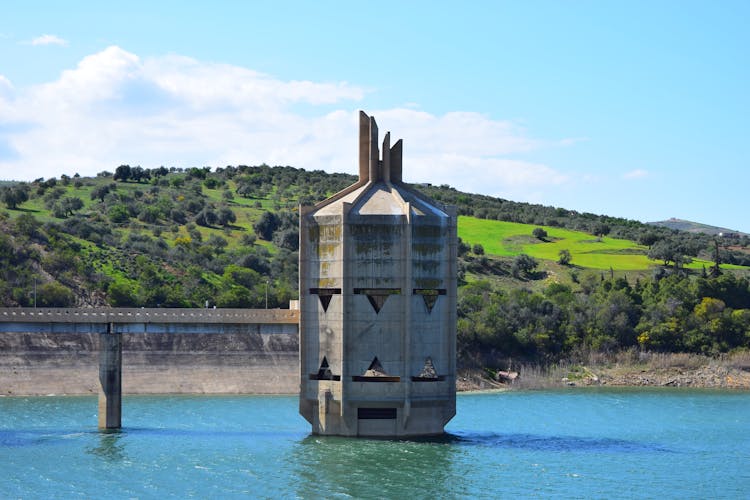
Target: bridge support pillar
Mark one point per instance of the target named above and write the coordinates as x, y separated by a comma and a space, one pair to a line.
110, 378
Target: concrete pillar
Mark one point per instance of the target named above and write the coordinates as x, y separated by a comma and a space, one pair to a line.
110, 379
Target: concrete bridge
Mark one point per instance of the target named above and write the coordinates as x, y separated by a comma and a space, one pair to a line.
111, 323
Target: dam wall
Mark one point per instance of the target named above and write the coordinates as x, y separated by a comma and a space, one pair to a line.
242, 359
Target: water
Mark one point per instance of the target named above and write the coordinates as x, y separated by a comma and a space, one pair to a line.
572, 444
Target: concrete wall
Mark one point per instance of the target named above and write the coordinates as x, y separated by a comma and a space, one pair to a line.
240, 362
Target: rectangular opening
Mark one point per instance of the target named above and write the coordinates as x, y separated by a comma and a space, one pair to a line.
376, 413
377, 291
429, 291
318, 376
325, 291
381, 378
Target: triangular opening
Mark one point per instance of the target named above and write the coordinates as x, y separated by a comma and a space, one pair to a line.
325, 295
429, 301
377, 302
428, 371
325, 301
324, 372
430, 296
375, 369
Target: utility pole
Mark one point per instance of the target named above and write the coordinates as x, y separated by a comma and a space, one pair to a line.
266, 294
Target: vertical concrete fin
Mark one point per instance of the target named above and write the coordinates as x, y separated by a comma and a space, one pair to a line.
374, 153
386, 171
364, 147
395, 156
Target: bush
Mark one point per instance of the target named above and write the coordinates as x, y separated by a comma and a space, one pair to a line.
53, 294
564, 257
523, 265
118, 214
122, 295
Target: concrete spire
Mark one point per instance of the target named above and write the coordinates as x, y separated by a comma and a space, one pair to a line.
371, 167
395, 158
364, 147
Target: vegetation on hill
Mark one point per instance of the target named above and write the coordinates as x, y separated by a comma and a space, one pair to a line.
538, 283
695, 227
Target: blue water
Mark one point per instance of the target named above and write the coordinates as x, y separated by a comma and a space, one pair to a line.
572, 444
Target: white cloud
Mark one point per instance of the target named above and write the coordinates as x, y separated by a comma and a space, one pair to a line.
5, 85
115, 107
48, 40
635, 174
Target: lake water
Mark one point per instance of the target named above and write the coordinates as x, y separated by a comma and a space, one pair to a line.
574, 444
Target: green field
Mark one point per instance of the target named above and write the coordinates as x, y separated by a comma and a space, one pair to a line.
508, 239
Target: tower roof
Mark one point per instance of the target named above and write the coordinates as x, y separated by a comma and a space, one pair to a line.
380, 189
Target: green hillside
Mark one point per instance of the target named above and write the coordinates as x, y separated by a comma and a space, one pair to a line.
508, 239
228, 237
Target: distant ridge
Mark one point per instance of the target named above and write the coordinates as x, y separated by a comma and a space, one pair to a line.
694, 227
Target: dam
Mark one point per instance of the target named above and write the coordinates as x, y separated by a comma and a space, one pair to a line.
111, 351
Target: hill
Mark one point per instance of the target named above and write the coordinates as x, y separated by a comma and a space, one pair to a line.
539, 283
696, 227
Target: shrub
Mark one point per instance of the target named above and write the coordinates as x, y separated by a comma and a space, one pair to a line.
53, 294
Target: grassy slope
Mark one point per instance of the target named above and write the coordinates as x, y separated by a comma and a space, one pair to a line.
507, 239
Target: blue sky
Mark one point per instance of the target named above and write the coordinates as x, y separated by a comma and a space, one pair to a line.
632, 109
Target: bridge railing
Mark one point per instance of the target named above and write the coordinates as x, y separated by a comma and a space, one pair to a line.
150, 315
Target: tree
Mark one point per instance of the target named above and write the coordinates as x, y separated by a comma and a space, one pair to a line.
138, 174
287, 238
206, 217
100, 192
123, 173
478, 249
523, 265
564, 257
539, 233
226, 216
13, 196
664, 250
71, 204
600, 229
266, 225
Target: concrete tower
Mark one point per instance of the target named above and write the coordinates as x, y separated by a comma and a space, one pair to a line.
378, 304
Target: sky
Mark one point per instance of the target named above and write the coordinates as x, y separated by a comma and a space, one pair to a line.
636, 109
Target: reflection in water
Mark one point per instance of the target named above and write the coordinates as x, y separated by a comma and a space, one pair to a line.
369, 468
110, 447
447, 467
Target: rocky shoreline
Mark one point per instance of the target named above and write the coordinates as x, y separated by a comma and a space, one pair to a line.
83, 380
711, 375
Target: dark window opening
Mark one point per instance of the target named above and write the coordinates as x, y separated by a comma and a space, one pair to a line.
325, 295
376, 413
377, 296
430, 296
324, 372
428, 373
375, 373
